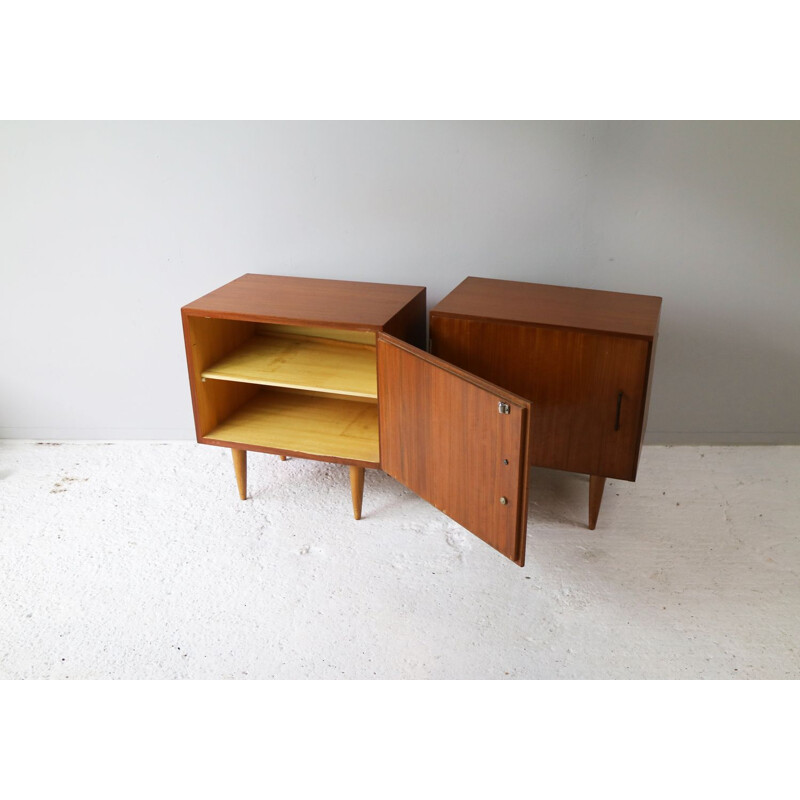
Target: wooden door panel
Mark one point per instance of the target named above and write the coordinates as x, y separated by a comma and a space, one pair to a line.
573, 380
443, 436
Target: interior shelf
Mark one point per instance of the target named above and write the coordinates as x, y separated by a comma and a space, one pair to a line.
305, 423
301, 362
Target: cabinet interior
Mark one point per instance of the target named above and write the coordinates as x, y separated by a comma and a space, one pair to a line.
303, 389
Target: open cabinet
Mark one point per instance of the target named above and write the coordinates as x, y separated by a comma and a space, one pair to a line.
334, 371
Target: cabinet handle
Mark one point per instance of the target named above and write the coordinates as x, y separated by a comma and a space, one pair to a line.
619, 408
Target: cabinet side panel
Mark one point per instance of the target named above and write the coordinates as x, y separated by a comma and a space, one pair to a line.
651, 357
410, 323
573, 380
207, 341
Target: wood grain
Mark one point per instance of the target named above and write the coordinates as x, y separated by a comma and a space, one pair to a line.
301, 362
304, 425
307, 301
443, 437
553, 306
572, 378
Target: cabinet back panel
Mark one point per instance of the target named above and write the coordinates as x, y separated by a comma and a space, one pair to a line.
314, 393
338, 334
573, 380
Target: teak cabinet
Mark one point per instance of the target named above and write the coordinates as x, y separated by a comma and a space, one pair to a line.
583, 358
334, 371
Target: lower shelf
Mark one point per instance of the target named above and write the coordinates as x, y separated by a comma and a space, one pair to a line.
304, 423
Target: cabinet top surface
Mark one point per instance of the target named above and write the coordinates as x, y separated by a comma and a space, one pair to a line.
554, 306
308, 300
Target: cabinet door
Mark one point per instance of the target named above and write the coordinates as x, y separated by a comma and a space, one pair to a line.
457, 441
588, 390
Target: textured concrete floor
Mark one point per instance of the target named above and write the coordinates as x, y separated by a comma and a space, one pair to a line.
137, 560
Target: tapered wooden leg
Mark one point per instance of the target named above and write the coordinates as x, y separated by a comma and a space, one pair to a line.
240, 467
283, 458
357, 489
596, 485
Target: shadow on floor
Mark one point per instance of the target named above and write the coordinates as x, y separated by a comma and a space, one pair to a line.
558, 498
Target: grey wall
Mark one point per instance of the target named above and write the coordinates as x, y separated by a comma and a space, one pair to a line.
106, 229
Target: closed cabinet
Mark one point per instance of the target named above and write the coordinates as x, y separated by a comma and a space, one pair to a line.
583, 358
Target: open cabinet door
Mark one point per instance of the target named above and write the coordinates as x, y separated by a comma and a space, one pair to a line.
458, 441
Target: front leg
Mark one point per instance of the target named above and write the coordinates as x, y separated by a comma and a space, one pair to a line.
240, 468
596, 485
357, 489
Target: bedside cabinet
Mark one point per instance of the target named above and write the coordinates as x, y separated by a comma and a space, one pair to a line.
334, 371
584, 359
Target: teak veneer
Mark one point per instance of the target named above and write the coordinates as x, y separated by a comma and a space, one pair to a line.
582, 357
518, 374
335, 371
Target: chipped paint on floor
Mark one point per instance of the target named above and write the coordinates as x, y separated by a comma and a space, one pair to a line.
138, 560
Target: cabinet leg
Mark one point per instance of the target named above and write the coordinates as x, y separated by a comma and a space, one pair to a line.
282, 458
240, 467
357, 489
596, 485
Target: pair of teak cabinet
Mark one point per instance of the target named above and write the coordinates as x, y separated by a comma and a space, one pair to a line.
517, 374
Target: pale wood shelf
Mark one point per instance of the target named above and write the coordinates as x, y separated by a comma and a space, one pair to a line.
305, 423
301, 362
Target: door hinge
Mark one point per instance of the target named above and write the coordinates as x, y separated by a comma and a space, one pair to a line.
504, 408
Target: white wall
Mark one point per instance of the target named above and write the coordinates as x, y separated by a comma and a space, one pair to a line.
106, 229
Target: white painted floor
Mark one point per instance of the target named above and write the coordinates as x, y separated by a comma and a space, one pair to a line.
138, 560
